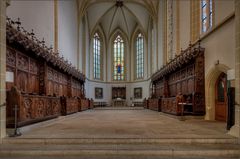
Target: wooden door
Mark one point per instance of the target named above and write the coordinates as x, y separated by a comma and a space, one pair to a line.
221, 98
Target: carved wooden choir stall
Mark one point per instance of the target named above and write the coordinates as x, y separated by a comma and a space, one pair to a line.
179, 86
39, 82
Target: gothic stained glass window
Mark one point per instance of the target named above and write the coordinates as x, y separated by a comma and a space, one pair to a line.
97, 56
139, 56
118, 59
206, 14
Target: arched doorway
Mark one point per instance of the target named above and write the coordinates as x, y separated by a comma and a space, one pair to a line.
221, 98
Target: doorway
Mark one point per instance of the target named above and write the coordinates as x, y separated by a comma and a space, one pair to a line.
221, 98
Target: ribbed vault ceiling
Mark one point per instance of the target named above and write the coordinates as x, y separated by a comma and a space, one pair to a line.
109, 16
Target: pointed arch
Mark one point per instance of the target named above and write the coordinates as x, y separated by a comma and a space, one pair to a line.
118, 58
139, 56
119, 43
211, 78
138, 49
117, 31
97, 47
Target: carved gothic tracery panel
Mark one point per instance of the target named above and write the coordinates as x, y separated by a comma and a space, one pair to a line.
22, 62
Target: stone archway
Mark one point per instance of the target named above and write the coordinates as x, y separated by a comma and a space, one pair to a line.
211, 79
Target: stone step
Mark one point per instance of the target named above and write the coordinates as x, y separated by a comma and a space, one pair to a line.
72, 141
116, 157
120, 150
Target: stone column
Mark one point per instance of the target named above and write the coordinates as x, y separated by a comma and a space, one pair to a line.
3, 5
235, 130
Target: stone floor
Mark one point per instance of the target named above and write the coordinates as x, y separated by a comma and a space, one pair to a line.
124, 123
122, 133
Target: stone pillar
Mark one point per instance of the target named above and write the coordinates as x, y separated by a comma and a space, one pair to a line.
235, 130
3, 4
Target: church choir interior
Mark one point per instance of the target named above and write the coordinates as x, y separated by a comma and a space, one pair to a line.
176, 59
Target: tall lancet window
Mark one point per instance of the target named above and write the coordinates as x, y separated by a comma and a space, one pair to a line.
206, 15
97, 56
139, 56
118, 59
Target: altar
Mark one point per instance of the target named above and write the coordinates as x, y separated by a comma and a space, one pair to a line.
119, 96
119, 102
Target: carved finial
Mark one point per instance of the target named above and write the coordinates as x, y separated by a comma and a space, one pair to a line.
56, 53
43, 42
50, 49
18, 24
190, 43
24, 31
31, 34
199, 42
9, 20
181, 50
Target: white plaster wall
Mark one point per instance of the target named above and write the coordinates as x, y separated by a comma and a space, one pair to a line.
222, 9
220, 45
67, 30
140, 12
107, 90
35, 14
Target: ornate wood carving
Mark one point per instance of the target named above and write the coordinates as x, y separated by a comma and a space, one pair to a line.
41, 77
119, 92
183, 75
69, 105
32, 108
22, 62
18, 35
84, 104
11, 57
154, 104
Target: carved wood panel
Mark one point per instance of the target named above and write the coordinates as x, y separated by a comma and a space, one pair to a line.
25, 71
22, 62
11, 57
154, 104
83, 104
185, 75
22, 81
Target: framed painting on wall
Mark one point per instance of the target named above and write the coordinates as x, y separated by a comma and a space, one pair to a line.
138, 93
98, 93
